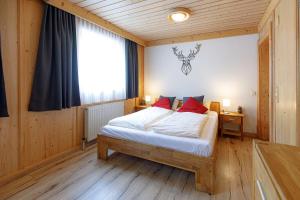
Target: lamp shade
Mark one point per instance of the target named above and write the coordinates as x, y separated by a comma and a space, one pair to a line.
147, 99
226, 102
179, 14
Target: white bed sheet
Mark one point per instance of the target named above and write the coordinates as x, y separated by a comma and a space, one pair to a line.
202, 146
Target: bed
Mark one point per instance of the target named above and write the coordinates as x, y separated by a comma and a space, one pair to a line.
197, 155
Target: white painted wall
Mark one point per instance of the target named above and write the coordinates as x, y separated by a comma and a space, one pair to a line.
224, 68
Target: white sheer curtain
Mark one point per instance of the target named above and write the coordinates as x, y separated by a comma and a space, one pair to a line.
101, 63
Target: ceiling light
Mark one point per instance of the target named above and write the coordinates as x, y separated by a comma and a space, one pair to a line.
179, 14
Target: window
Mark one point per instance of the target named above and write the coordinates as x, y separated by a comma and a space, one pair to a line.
101, 64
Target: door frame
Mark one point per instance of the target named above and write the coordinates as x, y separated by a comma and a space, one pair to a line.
298, 75
272, 96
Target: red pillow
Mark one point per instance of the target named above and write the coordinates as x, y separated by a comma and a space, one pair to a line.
192, 105
163, 103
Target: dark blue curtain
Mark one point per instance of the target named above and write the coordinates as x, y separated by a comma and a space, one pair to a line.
3, 103
132, 74
55, 84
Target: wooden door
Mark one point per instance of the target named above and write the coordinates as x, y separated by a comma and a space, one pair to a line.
264, 90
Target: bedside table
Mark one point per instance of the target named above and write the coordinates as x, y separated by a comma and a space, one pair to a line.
231, 123
141, 107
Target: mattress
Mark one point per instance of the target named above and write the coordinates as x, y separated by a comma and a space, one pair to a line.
202, 146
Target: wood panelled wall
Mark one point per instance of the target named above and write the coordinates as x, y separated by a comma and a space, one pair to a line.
280, 24
9, 147
285, 30
29, 139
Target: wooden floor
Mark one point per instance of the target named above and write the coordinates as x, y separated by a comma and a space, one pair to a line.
82, 176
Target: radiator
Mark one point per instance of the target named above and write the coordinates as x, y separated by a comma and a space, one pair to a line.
96, 117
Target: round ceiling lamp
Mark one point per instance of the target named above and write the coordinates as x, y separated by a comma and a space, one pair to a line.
179, 14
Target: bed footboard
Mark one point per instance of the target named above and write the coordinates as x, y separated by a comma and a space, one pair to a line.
204, 177
102, 149
203, 167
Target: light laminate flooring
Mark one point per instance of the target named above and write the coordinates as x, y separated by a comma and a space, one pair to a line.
83, 176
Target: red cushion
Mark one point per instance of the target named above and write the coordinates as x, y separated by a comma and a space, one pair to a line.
163, 103
192, 105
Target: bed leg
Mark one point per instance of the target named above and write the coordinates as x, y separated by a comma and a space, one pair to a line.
102, 150
204, 179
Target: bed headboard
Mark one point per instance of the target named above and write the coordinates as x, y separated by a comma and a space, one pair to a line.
215, 106
180, 102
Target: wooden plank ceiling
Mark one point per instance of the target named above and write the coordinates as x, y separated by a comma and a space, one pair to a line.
147, 19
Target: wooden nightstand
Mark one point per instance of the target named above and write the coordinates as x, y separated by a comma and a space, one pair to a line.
232, 124
141, 107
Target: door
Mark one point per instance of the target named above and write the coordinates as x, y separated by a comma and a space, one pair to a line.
264, 90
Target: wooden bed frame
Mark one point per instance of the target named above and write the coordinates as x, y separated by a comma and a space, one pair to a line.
203, 167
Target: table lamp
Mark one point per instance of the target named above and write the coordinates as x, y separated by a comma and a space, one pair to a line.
226, 103
148, 99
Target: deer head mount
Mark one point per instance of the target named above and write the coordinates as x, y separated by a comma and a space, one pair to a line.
186, 67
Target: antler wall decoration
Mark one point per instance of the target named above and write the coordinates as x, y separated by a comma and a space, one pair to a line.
186, 67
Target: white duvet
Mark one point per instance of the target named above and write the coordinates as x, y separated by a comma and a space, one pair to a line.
141, 120
181, 124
